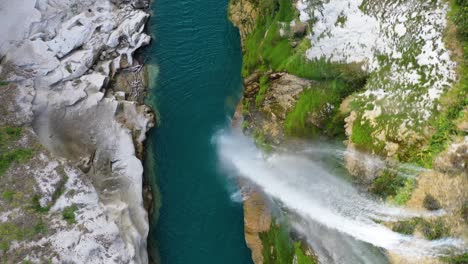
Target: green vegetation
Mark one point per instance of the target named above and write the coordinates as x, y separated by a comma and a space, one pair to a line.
387, 184
460, 259
404, 193
464, 211
434, 229
261, 142
10, 232
262, 91
3, 83
266, 49
17, 155
406, 227
36, 205
302, 258
317, 110
341, 20
279, 249
8, 196
68, 214
8, 135
362, 136
452, 103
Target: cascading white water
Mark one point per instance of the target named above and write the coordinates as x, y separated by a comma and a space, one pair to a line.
308, 189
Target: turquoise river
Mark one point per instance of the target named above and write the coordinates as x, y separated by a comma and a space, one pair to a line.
195, 89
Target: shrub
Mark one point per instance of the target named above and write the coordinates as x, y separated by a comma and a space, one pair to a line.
430, 203
387, 184
434, 229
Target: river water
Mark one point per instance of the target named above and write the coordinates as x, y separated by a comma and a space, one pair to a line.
195, 88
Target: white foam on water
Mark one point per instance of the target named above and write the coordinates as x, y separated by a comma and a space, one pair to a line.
308, 189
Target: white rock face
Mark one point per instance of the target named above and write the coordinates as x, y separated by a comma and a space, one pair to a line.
399, 42
51, 49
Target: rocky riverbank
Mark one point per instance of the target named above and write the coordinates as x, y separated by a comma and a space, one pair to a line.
397, 98
72, 131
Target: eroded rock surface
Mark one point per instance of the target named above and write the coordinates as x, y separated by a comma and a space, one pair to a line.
59, 60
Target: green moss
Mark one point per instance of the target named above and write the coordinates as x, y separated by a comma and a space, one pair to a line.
387, 184
362, 137
310, 101
3, 83
317, 110
278, 248
303, 258
262, 91
68, 214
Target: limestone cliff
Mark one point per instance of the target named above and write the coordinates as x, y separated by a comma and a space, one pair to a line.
73, 124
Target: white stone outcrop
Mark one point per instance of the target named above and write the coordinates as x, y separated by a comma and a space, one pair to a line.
62, 54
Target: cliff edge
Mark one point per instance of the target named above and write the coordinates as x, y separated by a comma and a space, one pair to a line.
72, 128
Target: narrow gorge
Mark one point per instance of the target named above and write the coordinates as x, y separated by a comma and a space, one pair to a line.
234, 131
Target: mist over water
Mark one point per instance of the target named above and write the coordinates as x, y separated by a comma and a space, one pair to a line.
323, 205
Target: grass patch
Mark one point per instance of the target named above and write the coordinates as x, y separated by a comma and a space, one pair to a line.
14, 156
8, 135
68, 214
36, 205
278, 248
406, 227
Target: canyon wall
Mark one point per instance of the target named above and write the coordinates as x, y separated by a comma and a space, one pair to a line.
73, 125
